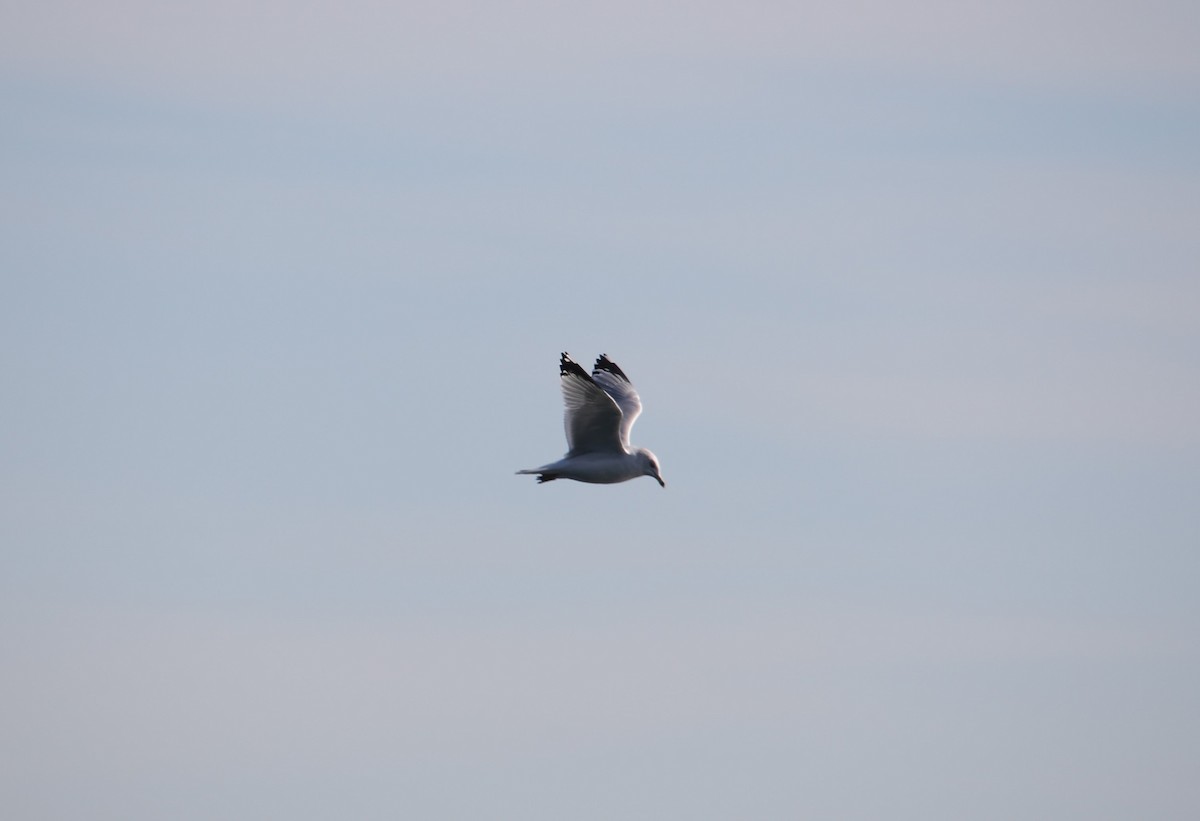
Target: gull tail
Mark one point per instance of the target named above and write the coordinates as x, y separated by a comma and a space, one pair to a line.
542, 475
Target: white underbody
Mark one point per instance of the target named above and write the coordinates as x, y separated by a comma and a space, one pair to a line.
597, 468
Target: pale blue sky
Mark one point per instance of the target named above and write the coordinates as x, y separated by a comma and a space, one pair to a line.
911, 293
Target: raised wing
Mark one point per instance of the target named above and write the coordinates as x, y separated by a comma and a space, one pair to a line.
592, 418
617, 385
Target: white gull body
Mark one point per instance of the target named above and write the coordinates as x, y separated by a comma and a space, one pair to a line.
601, 409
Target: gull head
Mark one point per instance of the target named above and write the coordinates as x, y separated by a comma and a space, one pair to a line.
649, 463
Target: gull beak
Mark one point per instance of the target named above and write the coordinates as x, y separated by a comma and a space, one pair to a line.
660, 481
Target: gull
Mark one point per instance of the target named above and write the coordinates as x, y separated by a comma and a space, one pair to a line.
601, 409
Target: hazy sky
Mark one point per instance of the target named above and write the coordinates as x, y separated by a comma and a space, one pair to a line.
911, 293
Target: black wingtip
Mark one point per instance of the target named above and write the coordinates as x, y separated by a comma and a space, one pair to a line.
606, 364
569, 367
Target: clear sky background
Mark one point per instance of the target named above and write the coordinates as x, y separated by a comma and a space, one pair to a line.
911, 292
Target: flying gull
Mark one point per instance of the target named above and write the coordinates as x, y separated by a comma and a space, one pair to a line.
601, 409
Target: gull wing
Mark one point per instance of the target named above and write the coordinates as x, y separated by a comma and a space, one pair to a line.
617, 385
593, 417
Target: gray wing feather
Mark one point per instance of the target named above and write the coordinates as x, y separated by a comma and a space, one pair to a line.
593, 419
617, 385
